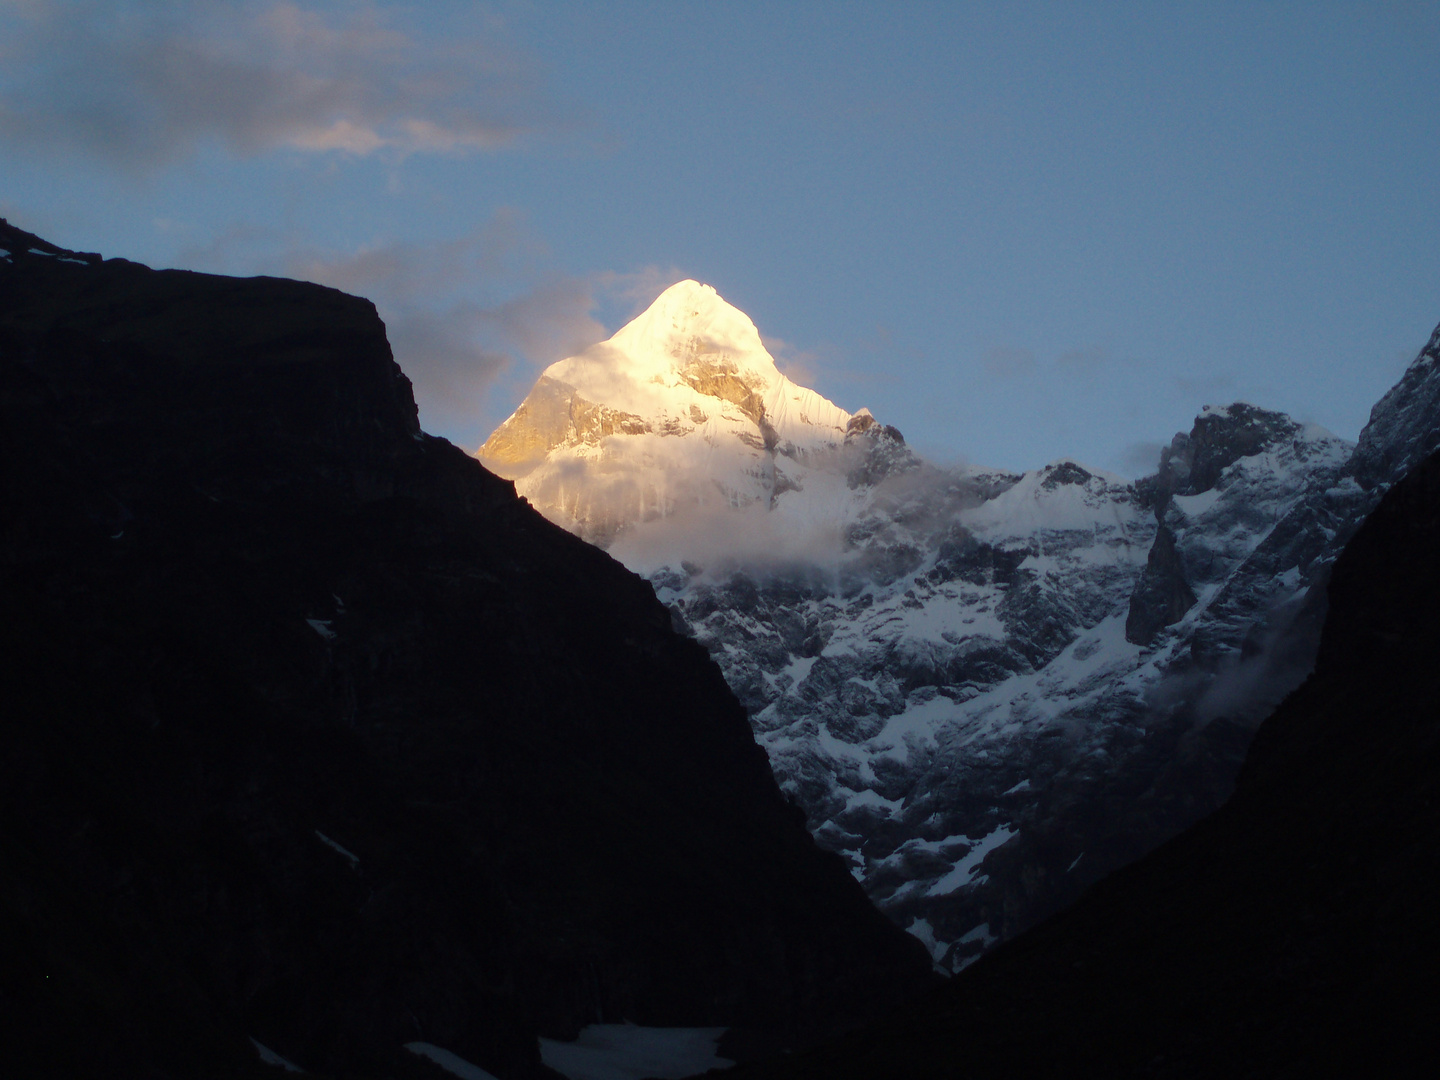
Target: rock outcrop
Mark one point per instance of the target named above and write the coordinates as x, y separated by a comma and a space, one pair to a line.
1162, 596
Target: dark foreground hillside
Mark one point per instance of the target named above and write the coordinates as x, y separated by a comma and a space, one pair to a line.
1292, 933
312, 733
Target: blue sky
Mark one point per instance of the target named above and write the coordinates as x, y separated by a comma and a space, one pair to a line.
1016, 232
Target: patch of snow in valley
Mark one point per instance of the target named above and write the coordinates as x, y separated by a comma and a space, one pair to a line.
454, 1064
1036, 505
873, 800
270, 1057
964, 870
921, 929
631, 1052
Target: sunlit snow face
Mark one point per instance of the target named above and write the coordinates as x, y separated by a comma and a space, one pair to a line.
677, 420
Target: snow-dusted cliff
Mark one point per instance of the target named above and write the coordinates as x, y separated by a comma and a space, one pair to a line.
985, 690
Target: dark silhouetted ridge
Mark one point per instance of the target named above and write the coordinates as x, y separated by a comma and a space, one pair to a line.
314, 734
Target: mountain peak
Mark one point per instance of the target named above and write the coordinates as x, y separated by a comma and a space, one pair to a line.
688, 325
688, 292
683, 407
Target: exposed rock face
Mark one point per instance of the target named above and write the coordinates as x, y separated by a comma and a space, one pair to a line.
1404, 427
1162, 596
877, 451
1195, 462
552, 413
1193, 465
1292, 933
315, 734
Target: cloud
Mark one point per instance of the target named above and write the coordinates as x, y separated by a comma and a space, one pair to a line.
143, 86
444, 354
550, 321
755, 538
1140, 458
541, 317
884, 344
800, 366
638, 288
472, 319
460, 312
502, 249
723, 540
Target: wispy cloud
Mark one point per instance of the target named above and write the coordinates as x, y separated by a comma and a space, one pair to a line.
637, 289
1140, 458
502, 249
801, 366
1081, 365
461, 313
472, 319
143, 85
444, 355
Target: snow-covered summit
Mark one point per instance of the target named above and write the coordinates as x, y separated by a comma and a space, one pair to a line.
688, 313
683, 408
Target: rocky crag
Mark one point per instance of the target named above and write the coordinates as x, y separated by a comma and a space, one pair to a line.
316, 737
986, 690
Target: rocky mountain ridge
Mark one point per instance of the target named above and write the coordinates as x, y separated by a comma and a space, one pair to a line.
989, 690
316, 738
1291, 933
